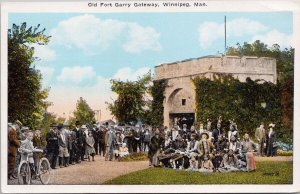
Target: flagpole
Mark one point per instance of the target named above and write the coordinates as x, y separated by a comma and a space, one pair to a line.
225, 35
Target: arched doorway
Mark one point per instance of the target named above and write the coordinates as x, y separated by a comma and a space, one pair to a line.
181, 108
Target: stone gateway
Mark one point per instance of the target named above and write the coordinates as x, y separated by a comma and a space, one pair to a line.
179, 102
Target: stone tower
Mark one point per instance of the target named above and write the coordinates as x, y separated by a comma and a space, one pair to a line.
179, 94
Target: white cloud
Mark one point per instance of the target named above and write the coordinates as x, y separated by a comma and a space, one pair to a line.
243, 26
43, 52
65, 96
142, 38
210, 32
130, 74
93, 35
47, 74
76, 74
275, 37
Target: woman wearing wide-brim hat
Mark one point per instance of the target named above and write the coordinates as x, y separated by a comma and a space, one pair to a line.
204, 133
203, 146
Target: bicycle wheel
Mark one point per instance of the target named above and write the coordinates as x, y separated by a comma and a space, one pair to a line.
45, 171
24, 174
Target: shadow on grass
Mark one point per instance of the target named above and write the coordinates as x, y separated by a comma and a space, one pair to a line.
267, 172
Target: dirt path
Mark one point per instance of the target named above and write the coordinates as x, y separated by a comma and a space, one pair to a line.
95, 173
277, 158
92, 173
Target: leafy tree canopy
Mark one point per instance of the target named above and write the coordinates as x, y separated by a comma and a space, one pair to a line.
284, 57
285, 72
131, 103
26, 98
83, 113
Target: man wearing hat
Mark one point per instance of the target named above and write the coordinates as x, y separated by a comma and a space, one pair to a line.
95, 130
203, 147
156, 144
63, 154
110, 138
13, 145
72, 144
260, 135
216, 132
79, 141
52, 146
83, 135
137, 139
101, 135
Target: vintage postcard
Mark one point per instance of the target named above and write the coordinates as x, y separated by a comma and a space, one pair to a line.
150, 96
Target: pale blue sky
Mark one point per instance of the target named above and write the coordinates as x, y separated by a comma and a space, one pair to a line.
86, 50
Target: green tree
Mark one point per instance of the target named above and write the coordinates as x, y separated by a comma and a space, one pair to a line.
285, 71
83, 113
26, 98
49, 118
130, 104
155, 115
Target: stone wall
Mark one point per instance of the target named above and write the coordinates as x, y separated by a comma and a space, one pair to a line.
240, 67
179, 75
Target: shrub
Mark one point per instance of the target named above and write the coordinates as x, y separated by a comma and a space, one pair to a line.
284, 153
141, 156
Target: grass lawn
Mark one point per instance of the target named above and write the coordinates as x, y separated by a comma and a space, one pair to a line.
267, 172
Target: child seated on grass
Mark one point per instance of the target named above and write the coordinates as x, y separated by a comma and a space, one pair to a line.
193, 164
206, 165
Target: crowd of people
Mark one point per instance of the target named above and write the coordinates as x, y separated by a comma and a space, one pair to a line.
69, 145
178, 147
210, 150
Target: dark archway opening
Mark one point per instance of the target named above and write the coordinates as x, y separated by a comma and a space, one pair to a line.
182, 118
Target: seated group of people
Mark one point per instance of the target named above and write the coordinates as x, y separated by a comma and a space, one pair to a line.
206, 151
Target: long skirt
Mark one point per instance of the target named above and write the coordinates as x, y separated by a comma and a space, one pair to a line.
250, 161
11, 164
154, 159
89, 150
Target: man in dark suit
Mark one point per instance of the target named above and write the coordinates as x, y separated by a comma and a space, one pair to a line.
101, 135
95, 134
52, 146
72, 146
216, 132
137, 139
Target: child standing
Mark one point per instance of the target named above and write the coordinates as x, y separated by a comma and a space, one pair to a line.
89, 147
27, 151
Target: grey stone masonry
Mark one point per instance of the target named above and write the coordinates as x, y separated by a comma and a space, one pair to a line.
180, 92
240, 67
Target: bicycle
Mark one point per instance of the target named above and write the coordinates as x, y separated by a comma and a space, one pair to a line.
43, 171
